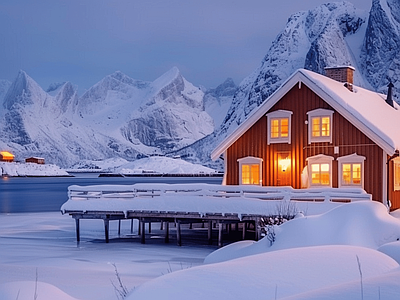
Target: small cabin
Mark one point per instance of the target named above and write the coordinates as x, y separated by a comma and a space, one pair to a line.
6, 156
319, 131
35, 160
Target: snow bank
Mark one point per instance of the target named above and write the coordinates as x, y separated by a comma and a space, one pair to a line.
154, 164
391, 249
365, 224
27, 289
273, 275
163, 165
30, 169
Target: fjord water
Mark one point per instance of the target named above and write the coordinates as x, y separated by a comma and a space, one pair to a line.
42, 194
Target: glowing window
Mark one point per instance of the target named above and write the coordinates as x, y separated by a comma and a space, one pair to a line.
320, 174
279, 123
351, 169
319, 170
320, 125
250, 170
279, 128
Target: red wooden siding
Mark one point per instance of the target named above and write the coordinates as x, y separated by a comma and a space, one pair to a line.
394, 196
347, 137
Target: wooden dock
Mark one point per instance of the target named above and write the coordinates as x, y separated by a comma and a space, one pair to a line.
212, 221
150, 203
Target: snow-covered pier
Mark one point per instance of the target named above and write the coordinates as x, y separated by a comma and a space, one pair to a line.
214, 205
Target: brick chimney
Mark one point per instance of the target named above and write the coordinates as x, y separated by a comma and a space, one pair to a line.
342, 74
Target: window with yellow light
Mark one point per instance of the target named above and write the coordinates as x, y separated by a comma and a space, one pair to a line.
320, 174
251, 174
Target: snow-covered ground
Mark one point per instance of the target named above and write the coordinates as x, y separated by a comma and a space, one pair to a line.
350, 252
154, 164
30, 169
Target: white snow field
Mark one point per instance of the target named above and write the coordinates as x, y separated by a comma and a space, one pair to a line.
334, 255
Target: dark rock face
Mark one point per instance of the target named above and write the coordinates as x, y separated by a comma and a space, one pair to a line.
380, 59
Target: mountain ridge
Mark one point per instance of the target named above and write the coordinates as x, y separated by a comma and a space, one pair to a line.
124, 117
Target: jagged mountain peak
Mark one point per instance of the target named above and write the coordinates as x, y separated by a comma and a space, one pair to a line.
125, 79
380, 58
172, 87
227, 88
23, 91
110, 91
166, 79
54, 87
67, 94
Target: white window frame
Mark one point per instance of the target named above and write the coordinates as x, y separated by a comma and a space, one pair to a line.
396, 181
350, 159
319, 159
250, 160
320, 113
277, 115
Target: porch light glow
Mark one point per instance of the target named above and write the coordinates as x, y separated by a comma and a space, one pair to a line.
284, 163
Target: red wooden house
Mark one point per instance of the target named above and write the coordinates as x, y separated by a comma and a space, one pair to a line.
6, 156
315, 131
35, 160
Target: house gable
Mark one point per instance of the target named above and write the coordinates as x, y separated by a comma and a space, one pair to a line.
346, 140
352, 105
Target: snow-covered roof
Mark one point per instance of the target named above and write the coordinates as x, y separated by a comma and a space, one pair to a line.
365, 109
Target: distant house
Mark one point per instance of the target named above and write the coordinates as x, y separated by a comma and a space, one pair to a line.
315, 131
36, 160
6, 156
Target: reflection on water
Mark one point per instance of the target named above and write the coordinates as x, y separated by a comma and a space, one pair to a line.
40, 194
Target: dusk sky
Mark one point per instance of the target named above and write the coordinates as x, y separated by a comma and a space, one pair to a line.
83, 41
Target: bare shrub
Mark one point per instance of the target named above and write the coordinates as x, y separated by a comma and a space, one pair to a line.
120, 289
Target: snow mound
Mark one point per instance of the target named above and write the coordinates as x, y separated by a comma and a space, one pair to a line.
278, 273
162, 165
391, 249
30, 169
366, 224
26, 290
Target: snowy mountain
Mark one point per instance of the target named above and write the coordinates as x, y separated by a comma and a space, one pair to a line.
330, 35
123, 117
117, 117
311, 39
217, 101
173, 115
4, 86
380, 57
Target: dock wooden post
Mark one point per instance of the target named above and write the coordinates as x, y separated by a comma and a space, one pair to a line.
149, 227
257, 228
178, 233
209, 232
166, 231
219, 234
106, 228
131, 225
119, 227
142, 231
78, 234
244, 231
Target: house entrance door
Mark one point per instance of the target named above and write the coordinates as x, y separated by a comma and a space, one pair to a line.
284, 169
